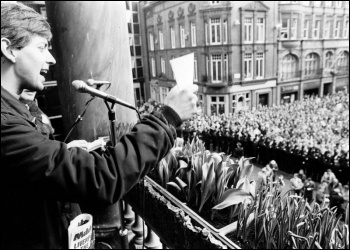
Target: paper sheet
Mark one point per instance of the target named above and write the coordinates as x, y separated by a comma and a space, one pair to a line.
80, 232
183, 68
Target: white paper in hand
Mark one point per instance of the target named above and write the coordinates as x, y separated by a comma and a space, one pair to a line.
183, 68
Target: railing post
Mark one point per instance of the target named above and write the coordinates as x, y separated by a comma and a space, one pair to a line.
137, 229
152, 240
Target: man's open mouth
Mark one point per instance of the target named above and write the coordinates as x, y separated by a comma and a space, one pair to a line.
43, 72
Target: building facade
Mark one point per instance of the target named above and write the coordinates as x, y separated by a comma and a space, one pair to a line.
133, 23
247, 54
313, 48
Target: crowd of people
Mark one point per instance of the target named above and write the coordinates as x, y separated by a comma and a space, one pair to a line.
311, 134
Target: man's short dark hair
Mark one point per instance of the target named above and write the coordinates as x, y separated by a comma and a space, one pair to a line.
19, 23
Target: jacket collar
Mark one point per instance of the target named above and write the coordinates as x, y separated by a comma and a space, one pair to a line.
10, 104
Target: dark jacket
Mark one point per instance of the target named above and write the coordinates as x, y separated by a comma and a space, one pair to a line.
37, 172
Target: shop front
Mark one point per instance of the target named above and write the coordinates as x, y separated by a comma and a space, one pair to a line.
342, 84
311, 88
289, 94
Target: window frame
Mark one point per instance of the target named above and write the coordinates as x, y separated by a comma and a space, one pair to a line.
260, 65
162, 65
195, 72
260, 30
217, 60
151, 41
216, 27
248, 62
161, 39
193, 34
153, 65
172, 37
182, 36
248, 30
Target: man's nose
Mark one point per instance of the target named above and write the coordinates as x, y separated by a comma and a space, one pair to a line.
50, 60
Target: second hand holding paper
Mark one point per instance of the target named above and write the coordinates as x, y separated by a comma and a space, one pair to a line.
183, 68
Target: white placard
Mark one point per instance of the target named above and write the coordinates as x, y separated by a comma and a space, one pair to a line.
183, 68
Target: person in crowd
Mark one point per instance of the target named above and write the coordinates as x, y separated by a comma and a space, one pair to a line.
336, 200
38, 173
274, 166
296, 184
302, 175
328, 178
309, 189
321, 195
239, 151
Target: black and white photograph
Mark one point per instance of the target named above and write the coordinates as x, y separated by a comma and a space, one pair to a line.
174, 125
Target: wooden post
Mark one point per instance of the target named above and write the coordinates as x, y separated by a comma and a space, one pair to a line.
90, 40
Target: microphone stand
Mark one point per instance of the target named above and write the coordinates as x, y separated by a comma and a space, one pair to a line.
123, 232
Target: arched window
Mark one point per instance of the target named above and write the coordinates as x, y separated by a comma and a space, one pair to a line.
329, 60
312, 64
343, 61
290, 66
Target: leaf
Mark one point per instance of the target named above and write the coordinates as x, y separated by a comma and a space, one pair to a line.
247, 171
232, 197
208, 186
182, 165
173, 184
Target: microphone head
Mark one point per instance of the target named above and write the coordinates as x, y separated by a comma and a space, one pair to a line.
90, 82
79, 85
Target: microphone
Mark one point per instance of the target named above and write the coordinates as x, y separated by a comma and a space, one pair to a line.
92, 82
81, 86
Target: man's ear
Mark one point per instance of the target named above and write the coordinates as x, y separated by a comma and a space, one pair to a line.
6, 50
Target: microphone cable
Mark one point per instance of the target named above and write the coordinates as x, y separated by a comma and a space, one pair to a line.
80, 117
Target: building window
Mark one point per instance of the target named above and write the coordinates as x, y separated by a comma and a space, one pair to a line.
171, 70
339, 4
193, 34
135, 6
327, 29
316, 30
306, 29
151, 42
289, 67
311, 64
329, 60
337, 29
163, 93
172, 37
285, 29
248, 29
216, 68
294, 28
260, 65
225, 67
195, 72
153, 63
161, 40
207, 41
346, 30
217, 105
343, 61
260, 30
248, 66
328, 4
162, 64
317, 3
215, 30
182, 36
224, 36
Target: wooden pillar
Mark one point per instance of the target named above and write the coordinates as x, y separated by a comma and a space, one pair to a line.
90, 40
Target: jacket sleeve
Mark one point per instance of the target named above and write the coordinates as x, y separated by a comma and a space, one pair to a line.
32, 161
